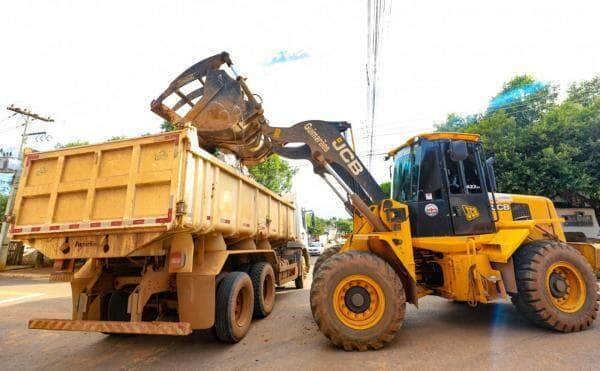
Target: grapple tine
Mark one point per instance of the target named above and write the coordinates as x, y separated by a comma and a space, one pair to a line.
226, 114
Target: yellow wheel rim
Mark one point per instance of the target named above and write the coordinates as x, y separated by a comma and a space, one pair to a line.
565, 287
359, 302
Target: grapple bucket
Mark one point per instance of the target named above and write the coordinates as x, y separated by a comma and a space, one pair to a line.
222, 108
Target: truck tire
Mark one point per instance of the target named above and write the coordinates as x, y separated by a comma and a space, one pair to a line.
556, 286
328, 253
299, 281
263, 282
117, 307
357, 300
234, 307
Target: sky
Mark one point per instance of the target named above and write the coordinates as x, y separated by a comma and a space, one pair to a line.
95, 66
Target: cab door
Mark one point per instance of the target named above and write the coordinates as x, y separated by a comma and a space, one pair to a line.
417, 181
470, 210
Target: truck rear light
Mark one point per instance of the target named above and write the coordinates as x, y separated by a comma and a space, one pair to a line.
176, 260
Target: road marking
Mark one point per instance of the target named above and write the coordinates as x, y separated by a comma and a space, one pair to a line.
20, 298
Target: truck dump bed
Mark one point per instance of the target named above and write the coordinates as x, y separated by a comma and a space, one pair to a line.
154, 183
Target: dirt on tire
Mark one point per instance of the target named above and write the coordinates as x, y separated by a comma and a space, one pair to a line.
335, 269
532, 262
263, 282
328, 253
232, 323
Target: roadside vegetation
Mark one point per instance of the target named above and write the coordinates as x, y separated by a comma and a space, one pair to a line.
542, 145
3, 200
321, 225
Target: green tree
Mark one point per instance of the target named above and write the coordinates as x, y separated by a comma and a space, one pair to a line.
275, 174
454, 122
548, 149
317, 227
344, 225
74, 143
166, 126
3, 201
524, 98
386, 187
584, 92
117, 137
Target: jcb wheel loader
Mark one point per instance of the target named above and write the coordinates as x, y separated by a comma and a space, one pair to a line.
444, 230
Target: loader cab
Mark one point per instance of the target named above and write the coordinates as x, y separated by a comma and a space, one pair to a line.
442, 179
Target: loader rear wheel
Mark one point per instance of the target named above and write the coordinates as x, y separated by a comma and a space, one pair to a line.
556, 286
263, 282
357, 300
328, 253
235, 305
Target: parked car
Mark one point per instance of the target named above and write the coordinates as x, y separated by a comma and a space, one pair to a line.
315, 248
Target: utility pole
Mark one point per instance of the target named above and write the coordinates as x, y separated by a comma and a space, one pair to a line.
29, 117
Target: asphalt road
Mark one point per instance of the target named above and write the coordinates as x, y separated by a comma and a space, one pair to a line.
438, 335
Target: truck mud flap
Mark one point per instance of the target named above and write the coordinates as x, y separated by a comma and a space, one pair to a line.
114, 327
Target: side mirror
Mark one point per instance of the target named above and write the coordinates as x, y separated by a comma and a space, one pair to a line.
458, 150
491, 176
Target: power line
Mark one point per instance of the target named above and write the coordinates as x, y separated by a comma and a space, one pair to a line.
29, 114
9, 116
523, 108
376, 11
6, 130
522, 105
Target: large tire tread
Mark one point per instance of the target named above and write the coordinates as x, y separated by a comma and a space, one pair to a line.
531, 300
328, 253
258, 273
225, 301
395, 298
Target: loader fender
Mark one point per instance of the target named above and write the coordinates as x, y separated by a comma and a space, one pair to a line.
396, 249
591, 252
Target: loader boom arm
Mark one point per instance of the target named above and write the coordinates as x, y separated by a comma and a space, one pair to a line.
324, 144
227, 115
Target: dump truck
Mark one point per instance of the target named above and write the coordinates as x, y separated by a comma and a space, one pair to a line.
157, 236
444, 230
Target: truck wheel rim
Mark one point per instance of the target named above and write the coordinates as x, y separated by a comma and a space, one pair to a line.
359, 302
242, 307
565, 287
268, 290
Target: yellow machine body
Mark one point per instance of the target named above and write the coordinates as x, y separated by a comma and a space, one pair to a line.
476, 268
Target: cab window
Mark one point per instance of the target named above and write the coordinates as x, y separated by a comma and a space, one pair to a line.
471, 168
401, 176
430, 186
416, 174
455, 184
472, 171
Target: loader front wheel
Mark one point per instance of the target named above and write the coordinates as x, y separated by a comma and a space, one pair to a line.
357, 300
328, 253
235, 306
556, 286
